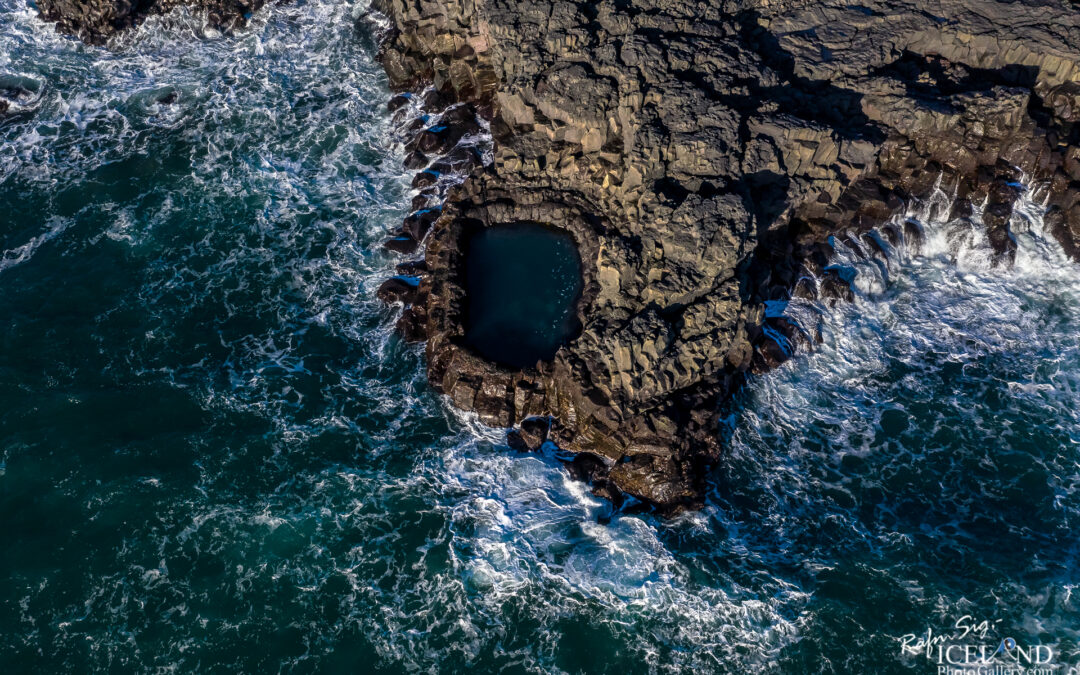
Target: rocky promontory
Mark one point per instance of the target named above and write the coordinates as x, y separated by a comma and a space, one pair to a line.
701, 155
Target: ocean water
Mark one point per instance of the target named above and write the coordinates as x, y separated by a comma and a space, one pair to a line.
215, 456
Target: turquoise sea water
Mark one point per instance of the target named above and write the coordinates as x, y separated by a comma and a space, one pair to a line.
216, 457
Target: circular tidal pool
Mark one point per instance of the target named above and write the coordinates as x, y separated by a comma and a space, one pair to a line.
522, 284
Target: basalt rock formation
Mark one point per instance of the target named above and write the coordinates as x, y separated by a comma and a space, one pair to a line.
701, 154
94, 21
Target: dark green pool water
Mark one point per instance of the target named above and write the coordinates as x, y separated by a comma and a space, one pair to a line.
522, 284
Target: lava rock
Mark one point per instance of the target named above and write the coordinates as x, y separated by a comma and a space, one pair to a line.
412, 325
834, 287
403, 289
399, 101
416, 160
701, 160
401, 244
412, 267
425, 179
417, 224
95, 21
534, 431
587, 467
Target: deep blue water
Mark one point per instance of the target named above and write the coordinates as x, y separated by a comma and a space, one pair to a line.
215, 456
523, 282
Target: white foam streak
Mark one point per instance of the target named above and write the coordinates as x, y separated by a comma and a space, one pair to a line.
20, 254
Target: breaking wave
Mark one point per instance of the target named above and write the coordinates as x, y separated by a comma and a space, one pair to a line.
921, 463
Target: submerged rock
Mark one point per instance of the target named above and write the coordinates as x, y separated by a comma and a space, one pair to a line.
18, 92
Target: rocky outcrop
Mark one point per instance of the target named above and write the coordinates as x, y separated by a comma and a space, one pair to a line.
95, 21
701, 154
